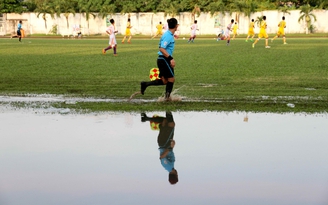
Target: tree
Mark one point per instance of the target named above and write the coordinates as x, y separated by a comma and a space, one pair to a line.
85, 7
237, 7
312, 3
147, 6
265, 5
169, 7
250, 8
30, 5
12, 6
195, 11
128, 7
43, 7
216, 7
258, 21
107, 9
65, 7
306, 15
323, 4
284, 9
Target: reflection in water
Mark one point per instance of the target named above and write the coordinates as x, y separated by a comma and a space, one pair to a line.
246, 118
166, 143
111, 158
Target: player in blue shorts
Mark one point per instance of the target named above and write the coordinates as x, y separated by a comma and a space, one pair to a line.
165, 61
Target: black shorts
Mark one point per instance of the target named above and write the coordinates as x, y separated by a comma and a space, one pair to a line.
165, 135
164, 67
19, 33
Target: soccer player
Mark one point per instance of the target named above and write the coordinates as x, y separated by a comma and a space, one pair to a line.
165, 61
281, 30
234, 30
112, 39
251, 31
19, 34
262, 34
227, 31
220, 36
128, 31
159, 31
193, 28
166, 26
165, 142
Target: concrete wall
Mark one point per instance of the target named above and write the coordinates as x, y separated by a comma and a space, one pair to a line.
145, 23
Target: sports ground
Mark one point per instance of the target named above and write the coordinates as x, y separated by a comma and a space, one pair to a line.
209, 74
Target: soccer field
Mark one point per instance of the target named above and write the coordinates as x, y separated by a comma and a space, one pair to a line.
209, 74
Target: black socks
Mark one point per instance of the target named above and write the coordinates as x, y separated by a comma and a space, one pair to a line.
169, 87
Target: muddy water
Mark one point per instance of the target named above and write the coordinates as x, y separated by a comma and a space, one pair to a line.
53, 156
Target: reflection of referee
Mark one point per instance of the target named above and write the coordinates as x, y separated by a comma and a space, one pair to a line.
165, 61
165, 143
19, 34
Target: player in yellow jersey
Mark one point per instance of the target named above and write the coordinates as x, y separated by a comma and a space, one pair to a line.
234, 30
159, 31
262, 34
251, 31
128, 31
281, 30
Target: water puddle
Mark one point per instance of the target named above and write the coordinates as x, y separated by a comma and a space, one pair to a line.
126, 158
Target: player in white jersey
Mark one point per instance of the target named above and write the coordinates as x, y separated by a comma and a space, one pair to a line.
193, 28
228, 30
112, 39
166, 26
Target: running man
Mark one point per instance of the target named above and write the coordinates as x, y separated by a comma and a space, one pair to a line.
112, 39
165, 61
262, 34
251, 31
165, 142
227, 31
281, 31
234, 30
19, 34
128, 31
159, 31
193, 28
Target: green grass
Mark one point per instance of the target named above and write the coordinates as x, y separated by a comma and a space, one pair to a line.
235, 77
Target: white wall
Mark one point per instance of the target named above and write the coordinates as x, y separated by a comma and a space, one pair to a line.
145, 23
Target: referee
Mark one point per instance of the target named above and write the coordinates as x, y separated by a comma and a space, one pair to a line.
165, 61
19, 34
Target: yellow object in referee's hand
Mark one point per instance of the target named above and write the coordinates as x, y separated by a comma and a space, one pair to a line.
154, 74
154, 125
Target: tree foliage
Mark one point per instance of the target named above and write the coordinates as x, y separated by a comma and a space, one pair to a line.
43, 8
12, 6
169, 7
307, 16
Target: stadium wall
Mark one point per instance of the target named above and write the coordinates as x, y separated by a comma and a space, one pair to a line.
145, 23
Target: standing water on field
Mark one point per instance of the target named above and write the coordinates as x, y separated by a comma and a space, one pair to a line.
54, 156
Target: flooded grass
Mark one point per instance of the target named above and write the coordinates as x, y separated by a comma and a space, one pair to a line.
209, 75
83, 105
